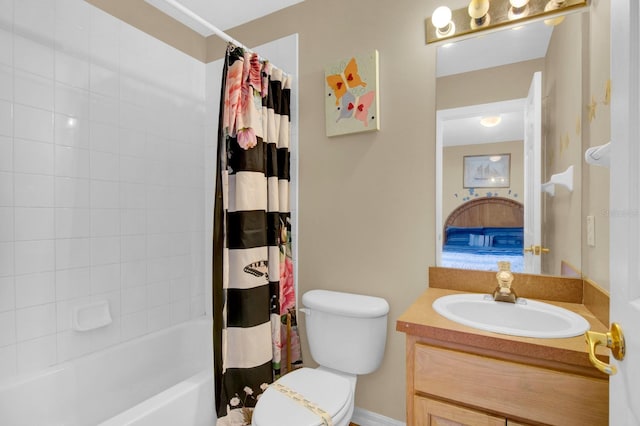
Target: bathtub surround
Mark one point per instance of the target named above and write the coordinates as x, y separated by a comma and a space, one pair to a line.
123, 115
101, 182
254, 301
173, 384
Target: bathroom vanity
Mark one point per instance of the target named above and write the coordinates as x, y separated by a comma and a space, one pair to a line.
458, 375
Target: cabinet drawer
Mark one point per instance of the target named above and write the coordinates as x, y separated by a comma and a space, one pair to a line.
430, 412
510, 388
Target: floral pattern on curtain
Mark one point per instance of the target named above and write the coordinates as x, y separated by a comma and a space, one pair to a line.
253, 285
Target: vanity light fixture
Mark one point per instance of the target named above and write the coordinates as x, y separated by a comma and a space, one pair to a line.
441, 20
484, 15
551, 6
519, 9
554, 4
495, 159
491, 120
479, 12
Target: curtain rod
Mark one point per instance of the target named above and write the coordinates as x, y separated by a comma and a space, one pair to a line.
208, 25
194, 16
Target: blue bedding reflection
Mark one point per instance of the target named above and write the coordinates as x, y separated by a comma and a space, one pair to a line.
481, 248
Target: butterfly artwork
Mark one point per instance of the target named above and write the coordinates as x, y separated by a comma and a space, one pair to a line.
356, 107
348, 79
351, 102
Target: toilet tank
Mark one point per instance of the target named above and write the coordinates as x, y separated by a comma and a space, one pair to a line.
346, 332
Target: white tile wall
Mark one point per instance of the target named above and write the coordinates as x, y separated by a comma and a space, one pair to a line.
101, 147
6, 153
35, 289
6, 37
7, 294
6, 118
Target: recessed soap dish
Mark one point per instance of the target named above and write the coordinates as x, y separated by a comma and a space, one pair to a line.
91, 316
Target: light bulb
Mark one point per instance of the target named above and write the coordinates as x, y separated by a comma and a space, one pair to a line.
478, 8
551, 6
441, 17
479, 12
519, 9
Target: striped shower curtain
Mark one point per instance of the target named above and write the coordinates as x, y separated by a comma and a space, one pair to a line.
253, 289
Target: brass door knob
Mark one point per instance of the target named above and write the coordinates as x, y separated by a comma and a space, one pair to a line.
536, 250
613, 339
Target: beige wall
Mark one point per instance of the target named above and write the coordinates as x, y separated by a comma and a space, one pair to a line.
562, 117
595, 260
453, 193
572, 124
501, 83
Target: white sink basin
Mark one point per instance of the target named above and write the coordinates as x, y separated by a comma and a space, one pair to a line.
526, 318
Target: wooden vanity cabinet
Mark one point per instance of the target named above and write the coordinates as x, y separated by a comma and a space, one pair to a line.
431, 412
447, 387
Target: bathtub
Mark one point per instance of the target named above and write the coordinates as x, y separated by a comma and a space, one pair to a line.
161, 379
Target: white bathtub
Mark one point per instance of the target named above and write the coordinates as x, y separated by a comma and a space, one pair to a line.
161, 379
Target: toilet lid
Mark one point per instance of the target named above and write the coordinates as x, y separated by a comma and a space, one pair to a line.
329, 391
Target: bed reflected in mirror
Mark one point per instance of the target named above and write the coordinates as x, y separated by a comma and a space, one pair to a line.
482, 232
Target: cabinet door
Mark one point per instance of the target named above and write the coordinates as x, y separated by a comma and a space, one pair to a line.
429, 412
514, 423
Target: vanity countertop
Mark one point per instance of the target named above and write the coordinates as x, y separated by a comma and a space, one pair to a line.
421, 322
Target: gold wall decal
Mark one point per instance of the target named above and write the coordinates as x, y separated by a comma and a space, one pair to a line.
578, 126
593, 106
607, 93
564, 143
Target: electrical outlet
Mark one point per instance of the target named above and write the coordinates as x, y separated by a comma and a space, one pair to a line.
591, 231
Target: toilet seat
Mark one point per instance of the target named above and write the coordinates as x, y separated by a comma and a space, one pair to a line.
329, 391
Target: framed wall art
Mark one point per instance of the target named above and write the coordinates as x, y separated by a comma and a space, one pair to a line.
487, 171
352, 95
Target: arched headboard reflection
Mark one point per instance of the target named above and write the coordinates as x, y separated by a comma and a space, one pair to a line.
487, 212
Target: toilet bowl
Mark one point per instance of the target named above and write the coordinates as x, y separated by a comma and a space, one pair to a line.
332, 391
347, 336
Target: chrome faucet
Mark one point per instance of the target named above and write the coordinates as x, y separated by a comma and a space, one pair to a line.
504, 292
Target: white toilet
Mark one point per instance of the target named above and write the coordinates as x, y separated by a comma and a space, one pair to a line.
347, 335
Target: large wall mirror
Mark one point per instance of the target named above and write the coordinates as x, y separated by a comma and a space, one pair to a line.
541, 83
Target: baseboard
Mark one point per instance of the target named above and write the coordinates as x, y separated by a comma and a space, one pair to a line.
364, 417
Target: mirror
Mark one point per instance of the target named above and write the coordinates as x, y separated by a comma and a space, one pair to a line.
491, 74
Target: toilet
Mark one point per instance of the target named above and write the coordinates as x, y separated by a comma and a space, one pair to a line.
347, 335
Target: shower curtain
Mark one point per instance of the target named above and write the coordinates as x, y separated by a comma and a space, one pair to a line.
253, 288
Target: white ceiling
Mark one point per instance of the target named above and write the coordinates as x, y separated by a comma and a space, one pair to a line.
466, 129
223, 14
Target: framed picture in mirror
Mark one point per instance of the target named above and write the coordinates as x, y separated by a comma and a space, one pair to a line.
486, 171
